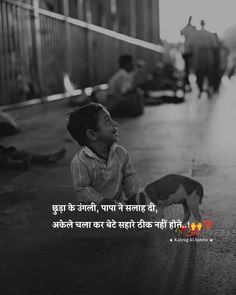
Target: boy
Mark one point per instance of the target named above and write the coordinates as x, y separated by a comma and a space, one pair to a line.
101, 170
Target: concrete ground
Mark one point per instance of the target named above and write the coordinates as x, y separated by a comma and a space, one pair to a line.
196, 138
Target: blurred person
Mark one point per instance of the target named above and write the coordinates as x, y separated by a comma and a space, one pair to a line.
140, 75
121, 81
164, 77
232, 68
141, 78
219, 64
202, 44
123, 97
187, 32
224, 54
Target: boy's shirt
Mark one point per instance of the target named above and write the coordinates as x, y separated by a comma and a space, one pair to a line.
95, 180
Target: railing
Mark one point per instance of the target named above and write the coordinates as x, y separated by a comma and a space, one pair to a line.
37, 47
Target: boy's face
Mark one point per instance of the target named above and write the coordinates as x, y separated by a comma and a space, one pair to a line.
108, 129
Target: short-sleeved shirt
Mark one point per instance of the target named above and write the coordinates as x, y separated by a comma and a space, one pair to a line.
95, 179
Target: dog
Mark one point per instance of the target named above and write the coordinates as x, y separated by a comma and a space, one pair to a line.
173, 189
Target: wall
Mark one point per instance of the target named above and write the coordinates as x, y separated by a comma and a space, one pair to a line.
38, 46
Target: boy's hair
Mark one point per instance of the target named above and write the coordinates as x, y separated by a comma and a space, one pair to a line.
124, 60
83, 118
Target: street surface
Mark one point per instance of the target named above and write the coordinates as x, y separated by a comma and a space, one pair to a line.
196, 138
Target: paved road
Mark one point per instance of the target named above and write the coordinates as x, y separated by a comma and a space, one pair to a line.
195, 138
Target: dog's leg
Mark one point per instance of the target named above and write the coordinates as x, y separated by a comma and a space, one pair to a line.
193, 205
187, 213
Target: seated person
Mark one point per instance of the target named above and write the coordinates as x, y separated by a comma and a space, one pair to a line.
101, 170
10, 157
163, 78
122, 97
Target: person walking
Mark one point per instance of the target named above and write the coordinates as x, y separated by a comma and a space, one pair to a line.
187, 32
202, 45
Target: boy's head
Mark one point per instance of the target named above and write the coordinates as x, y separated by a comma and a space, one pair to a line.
92, 123
126, 62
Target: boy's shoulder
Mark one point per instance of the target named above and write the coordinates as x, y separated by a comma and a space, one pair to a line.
120, 149
121, 153
79, 156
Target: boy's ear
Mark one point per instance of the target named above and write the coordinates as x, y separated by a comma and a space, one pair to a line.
91, 134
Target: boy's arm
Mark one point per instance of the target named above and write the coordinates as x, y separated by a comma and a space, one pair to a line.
130, 178
81, 179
